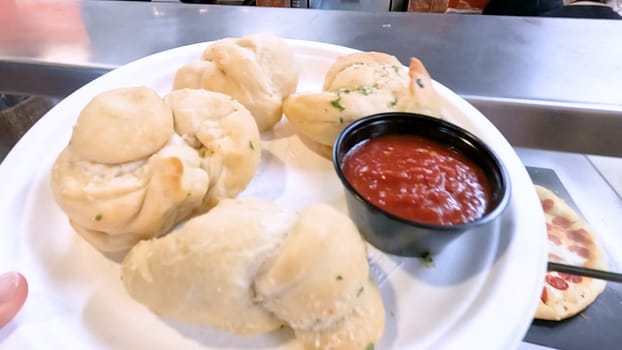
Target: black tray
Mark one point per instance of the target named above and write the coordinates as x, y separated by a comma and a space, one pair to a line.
597, 327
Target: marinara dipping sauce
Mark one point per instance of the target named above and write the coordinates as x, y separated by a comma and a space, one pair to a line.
418, 179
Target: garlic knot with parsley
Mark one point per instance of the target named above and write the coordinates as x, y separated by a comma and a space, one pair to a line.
357, 85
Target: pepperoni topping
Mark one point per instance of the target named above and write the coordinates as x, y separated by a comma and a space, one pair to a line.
554, 239
544, 296
561, 221
581, 251
570, 278
555, 258
556, 282
547, 205
579, 236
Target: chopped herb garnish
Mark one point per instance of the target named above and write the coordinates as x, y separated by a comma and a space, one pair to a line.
337, 104
343, 91
427, 258
339, 277
396, 69
420, 82
393, 102
341, 120
360, 291
370, 346
364, 90
98, 217
250, 144
188, 194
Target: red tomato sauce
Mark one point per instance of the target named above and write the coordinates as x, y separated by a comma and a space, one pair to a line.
418, 179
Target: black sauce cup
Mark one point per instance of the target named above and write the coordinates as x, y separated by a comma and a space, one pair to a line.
404, 237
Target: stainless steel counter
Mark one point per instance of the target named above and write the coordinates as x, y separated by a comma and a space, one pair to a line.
546, 83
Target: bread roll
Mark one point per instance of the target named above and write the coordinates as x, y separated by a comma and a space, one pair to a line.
115, 205
322, 116
203, 273
303, 284
248, 267
421, 96
189, 75
360, 329
366, 69
318, 282
358, 85
224, 132
257, 70
122, 125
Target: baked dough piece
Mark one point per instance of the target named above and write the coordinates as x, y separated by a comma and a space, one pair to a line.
203, 273
360, 329
358, 85
115, 205
225, 134
318, 283
257, 70
122, 125
248, 267
302, 284
365, 69
189, 76
570, 242
421, 96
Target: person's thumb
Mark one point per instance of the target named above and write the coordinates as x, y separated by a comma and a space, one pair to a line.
13, 292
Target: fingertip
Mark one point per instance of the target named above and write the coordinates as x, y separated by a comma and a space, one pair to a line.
13, 293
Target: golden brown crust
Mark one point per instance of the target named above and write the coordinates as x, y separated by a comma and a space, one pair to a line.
571, 242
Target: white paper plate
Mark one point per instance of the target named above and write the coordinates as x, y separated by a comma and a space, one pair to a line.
481, 293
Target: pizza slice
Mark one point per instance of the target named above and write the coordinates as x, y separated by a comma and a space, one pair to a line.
570, 242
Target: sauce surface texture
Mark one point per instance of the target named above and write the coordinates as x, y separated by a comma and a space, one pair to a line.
418, 179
